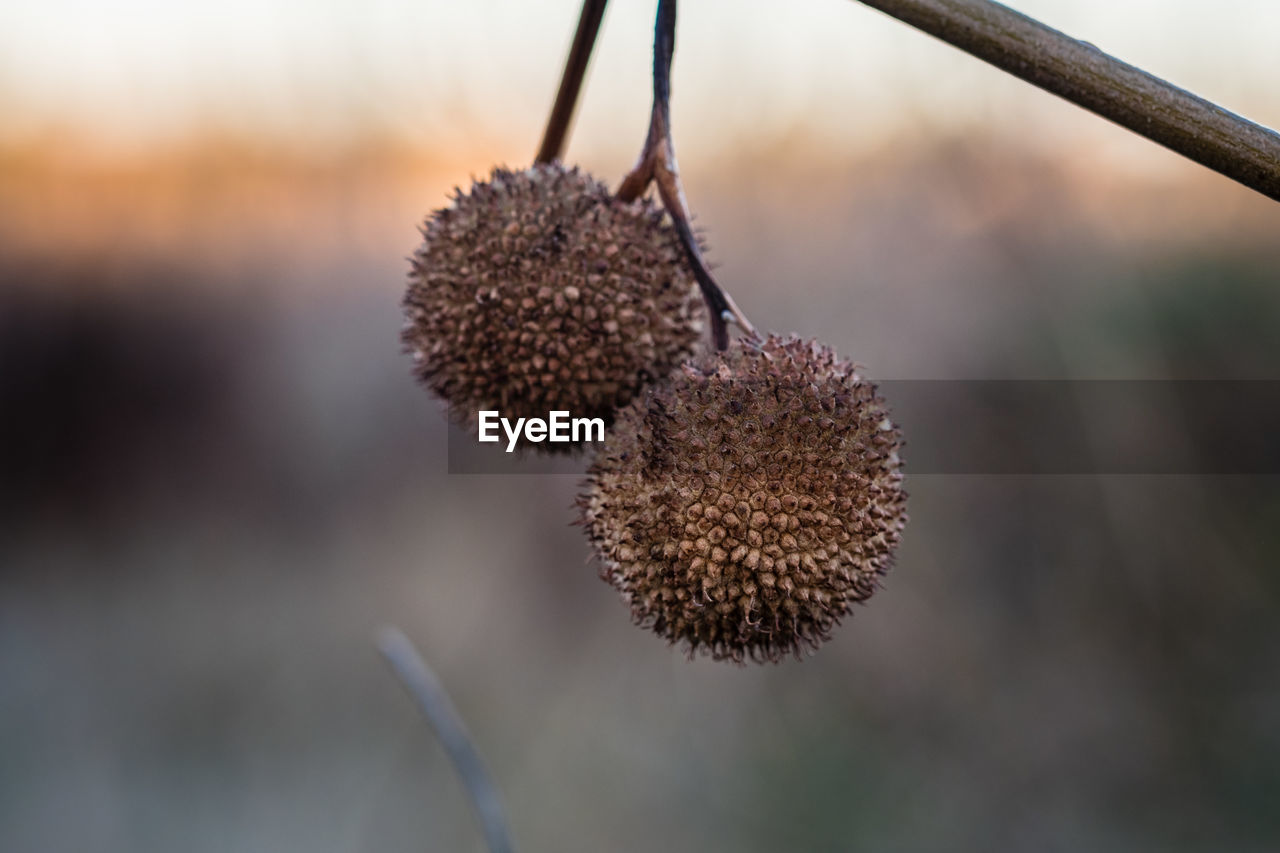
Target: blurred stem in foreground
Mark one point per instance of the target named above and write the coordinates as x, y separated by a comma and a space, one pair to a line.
575, 69
426, 689
1085, 76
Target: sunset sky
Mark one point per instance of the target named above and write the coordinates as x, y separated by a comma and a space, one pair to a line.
445, 73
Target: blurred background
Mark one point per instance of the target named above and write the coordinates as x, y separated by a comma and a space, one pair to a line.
217, 478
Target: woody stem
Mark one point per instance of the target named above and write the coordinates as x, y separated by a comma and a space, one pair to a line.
1080, 73
575, 69
657, 161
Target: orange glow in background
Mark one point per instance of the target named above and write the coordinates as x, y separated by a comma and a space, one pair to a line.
218, 476
170, 127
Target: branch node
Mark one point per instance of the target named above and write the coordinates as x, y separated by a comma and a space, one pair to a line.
657, 162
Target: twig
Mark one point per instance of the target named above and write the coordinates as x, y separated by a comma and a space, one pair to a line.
575, 68
429, 693
1080, 73
657, 161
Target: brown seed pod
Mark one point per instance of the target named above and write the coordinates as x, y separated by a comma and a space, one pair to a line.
743, 505
539, 291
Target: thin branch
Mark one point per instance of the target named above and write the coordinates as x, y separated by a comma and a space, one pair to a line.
425, 687
1082, 74
575, 69
657, 161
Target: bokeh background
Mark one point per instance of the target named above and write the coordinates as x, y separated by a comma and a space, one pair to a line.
217, 478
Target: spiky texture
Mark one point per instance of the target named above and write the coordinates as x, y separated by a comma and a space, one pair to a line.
746, 503
538, 291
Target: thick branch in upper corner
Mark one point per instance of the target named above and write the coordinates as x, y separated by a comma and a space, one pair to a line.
1080, 73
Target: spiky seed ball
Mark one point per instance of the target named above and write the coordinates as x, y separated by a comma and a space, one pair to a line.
539, 291
746, 503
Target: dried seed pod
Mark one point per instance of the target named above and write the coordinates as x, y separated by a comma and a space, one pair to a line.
539, 291
746, 503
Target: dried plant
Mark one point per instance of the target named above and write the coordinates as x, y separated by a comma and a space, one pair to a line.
745, 498
539, 290
747, 503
